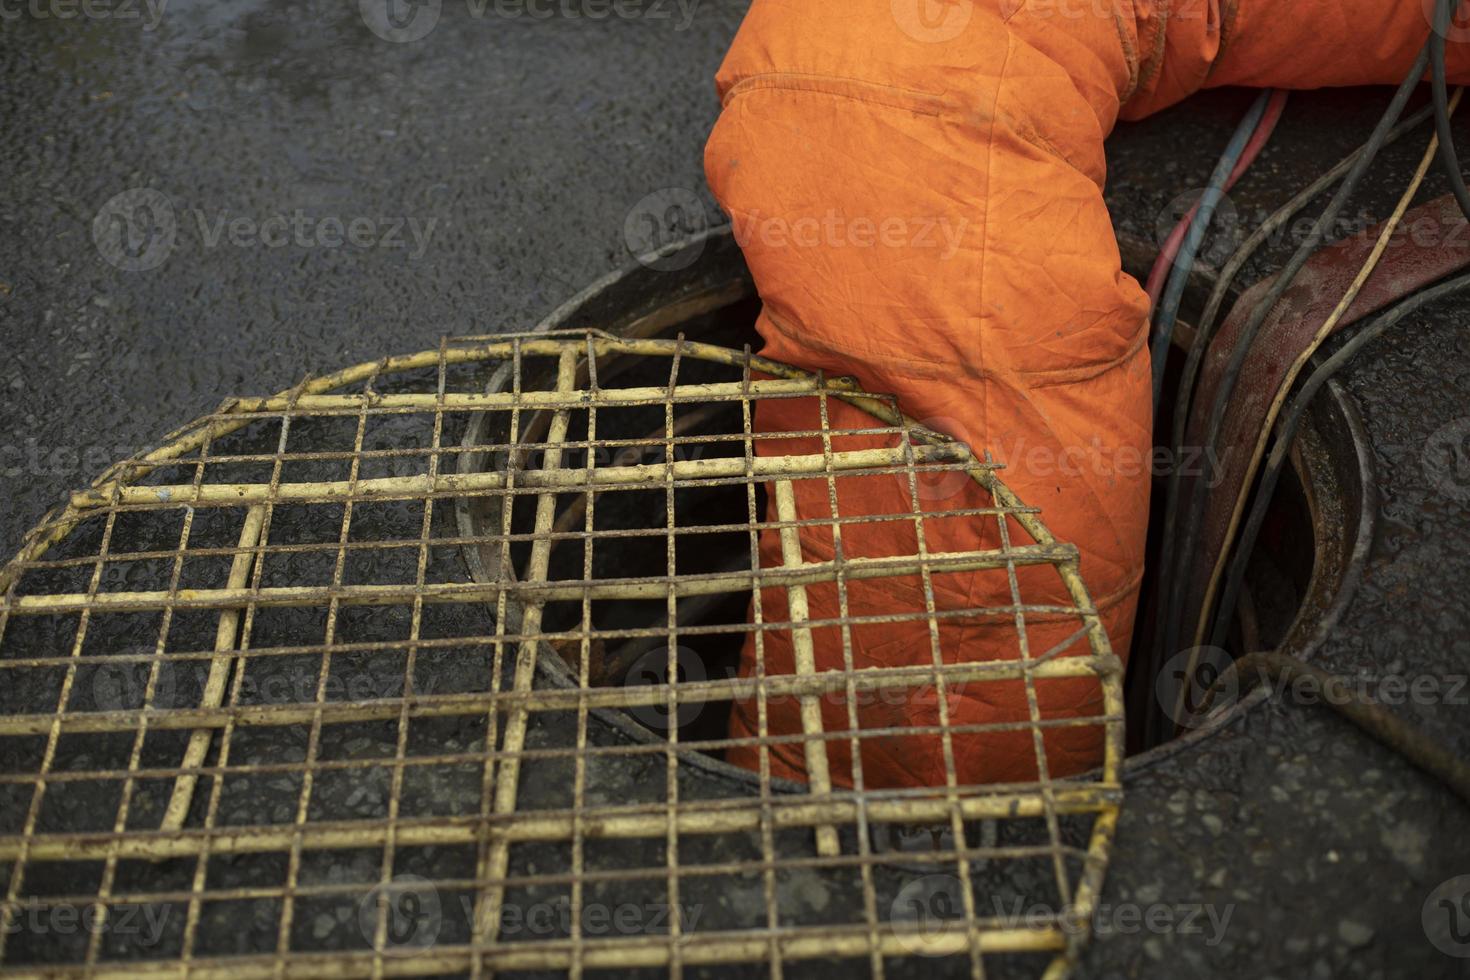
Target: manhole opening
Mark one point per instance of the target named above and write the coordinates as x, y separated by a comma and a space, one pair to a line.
598, 640
636, 437
1281, 573
1284, 582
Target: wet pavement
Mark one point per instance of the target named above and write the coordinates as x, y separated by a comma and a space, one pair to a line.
318, 195
489, 167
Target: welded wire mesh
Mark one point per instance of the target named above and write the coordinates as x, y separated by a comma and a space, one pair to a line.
394, 674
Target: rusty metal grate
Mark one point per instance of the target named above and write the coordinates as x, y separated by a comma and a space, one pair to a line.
258, 720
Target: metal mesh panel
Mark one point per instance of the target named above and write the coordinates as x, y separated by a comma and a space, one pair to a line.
260, 718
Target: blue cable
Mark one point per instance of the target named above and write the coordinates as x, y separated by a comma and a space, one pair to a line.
1168, 309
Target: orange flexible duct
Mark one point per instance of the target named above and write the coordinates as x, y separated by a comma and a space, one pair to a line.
994, 306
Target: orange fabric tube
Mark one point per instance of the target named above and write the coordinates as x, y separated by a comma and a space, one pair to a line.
917, 187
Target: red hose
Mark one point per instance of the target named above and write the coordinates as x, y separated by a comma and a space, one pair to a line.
1160, 271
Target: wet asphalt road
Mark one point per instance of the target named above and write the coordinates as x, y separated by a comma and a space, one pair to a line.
334, 197
488, 170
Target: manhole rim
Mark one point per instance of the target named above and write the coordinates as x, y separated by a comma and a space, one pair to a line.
718, 267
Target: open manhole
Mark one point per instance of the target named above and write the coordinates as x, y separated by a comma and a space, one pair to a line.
1301, 573
418, 669
259, 718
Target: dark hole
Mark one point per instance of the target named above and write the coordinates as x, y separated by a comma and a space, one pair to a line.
1278, 576
1280, 568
